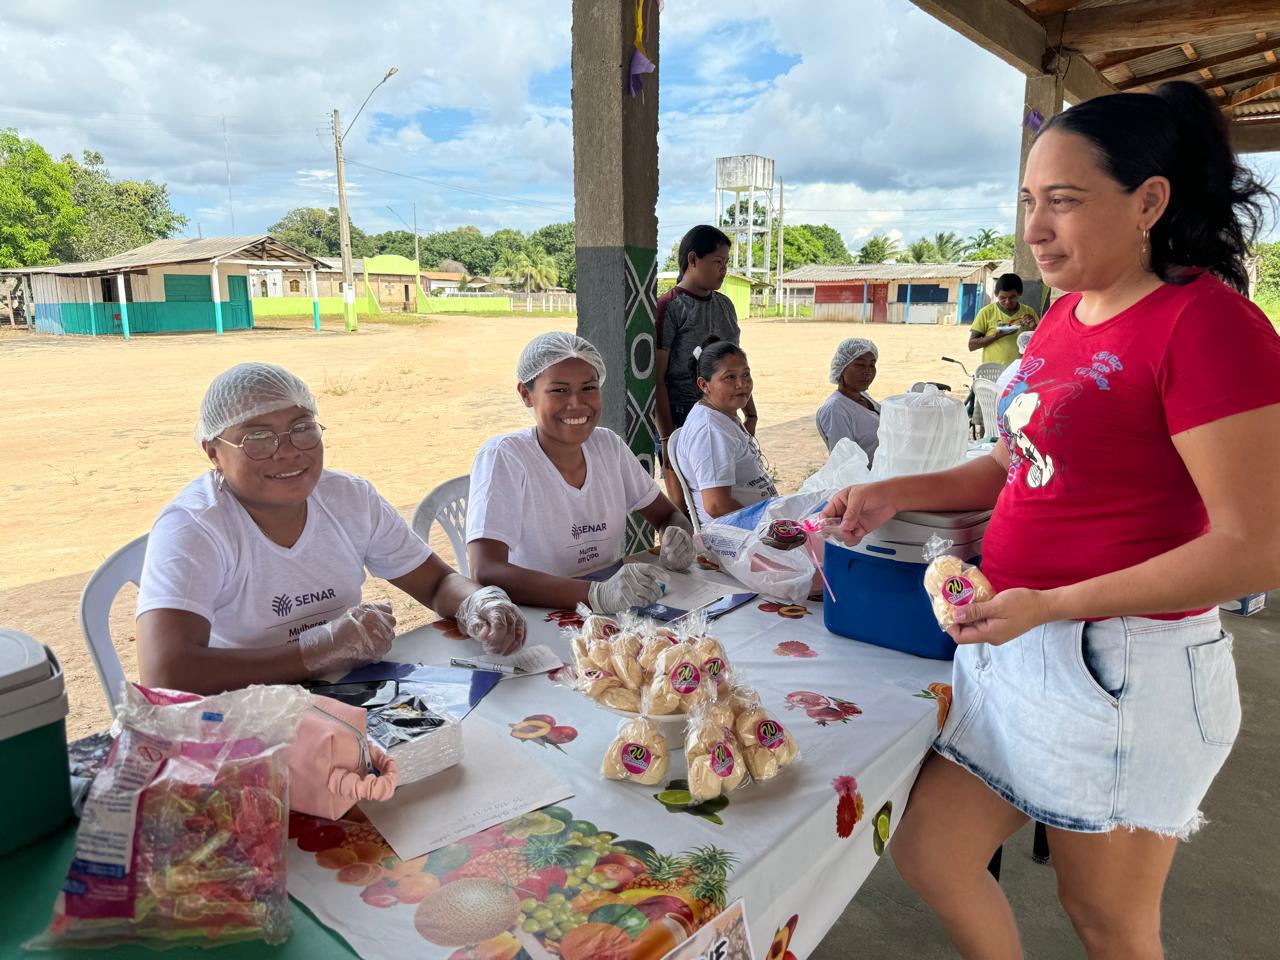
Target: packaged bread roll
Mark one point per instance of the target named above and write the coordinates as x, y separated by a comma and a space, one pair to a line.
594, 683
596, 626
651, 648
638, 753
678, 681
766, 744
625, 660
951, 583
620, 698
716, 761
710, 654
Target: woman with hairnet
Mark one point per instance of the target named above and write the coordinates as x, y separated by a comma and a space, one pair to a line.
550, 503
850, 411
253, 572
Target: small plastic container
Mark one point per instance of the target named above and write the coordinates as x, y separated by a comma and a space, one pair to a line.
33, 741
880, 582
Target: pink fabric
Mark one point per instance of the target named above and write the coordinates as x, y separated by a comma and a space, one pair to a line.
324, 762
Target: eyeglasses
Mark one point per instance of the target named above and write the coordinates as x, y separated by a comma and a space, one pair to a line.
262, 444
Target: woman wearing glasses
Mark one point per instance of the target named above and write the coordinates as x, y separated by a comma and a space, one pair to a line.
253, 572
720, 461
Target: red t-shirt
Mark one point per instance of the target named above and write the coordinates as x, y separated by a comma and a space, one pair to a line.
1095, 483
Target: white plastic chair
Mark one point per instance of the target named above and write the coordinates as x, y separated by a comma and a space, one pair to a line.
984, 392
990, 370
672, 447
447, 504
123, 566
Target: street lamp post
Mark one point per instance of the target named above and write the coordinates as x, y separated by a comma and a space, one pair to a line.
344, 222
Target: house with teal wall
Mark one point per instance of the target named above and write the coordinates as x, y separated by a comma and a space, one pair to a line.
165, 286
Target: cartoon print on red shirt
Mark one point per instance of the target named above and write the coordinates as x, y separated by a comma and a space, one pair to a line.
1017, 409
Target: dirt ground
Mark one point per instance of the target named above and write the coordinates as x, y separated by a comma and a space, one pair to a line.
99, 435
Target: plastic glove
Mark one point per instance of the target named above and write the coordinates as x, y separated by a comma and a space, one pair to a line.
488, 615
677, 550
361, 635
635, 585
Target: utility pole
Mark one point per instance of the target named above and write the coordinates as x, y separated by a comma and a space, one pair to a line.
344, 235
781, 229
226, 158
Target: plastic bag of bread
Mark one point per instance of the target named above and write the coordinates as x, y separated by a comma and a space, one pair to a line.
678, 681
716, 761
766, 743
607, 690
624, 658
951, 582
652, 646
596, 626
638, 753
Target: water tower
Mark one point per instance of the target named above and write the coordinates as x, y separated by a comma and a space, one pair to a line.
751, 175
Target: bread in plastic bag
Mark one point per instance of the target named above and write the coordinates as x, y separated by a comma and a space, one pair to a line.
678, 680
766, 743
951, 582
716, 761
184, 833
639, 753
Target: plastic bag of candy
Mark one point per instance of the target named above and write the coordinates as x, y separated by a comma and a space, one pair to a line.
183, 835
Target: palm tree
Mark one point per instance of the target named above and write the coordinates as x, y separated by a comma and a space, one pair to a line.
542, 271
510, 265
878, 249
983, 238
922, 251
949, 247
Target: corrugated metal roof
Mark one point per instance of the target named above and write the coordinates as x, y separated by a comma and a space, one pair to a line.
830, 273
157, 252
334, 264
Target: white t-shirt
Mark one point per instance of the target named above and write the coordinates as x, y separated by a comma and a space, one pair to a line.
840, 417
206, 555
716, 451
519, 498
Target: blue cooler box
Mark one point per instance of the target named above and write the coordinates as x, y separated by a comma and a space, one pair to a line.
879, 584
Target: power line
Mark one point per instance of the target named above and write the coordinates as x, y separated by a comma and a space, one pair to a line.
473, 192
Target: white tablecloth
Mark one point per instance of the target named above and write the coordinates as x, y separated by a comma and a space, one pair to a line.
861, 715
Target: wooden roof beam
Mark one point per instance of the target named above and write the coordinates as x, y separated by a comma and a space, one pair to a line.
1047, 8
1262, 88
1144, 22
1114, 58
1257, 136
1204, 63
1269, 54
1011, 32
1257, 73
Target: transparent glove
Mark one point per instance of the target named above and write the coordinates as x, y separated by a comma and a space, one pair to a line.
361, 635
677, 550
488, 615
635, 585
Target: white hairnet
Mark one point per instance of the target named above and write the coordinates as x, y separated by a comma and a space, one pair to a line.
1024, 340
246, 391
550, 348
849, 351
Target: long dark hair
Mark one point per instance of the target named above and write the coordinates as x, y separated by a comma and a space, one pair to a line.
1215, 204
702, 240
711, 352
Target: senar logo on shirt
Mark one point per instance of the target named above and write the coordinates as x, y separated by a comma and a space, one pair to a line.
282, 604
578, 529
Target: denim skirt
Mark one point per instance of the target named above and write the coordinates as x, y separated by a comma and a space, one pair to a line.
1093, 726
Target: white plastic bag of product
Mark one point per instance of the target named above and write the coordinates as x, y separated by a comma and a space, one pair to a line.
846, 466
739, 542
920, 433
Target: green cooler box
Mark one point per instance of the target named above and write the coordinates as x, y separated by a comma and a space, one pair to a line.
33, 742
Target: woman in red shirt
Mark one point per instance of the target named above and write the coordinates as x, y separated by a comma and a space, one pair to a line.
1134, 489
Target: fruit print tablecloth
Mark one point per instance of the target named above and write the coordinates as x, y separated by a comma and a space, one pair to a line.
624, 872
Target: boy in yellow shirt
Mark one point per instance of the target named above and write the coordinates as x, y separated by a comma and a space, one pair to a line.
996, 327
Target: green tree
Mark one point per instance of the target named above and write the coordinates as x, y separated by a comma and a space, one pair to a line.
1268, 270
467, 245
561, 241
673, 259
983, 238
399, 242
878, 249
922, 251
38, 215
119, 215
319, 233
999, 249
833, 245
948, 247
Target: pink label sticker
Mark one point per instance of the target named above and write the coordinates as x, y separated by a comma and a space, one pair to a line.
722, 759
958, 591
593, 674
636, 758
770, 734
685, 677
714, 667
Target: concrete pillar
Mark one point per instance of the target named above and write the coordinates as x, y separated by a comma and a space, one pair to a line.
216, 287
315, 298
615, 177
123, 297
1044, 94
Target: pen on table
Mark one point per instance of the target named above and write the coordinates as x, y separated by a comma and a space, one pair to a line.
505, 668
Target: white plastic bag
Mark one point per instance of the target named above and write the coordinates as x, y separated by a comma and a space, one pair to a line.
737, 541
920, 433
846, 466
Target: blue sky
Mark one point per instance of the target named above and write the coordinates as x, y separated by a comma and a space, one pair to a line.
879, 119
